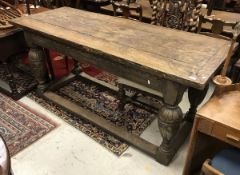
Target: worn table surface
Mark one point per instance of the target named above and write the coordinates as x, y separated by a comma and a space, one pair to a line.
176, 55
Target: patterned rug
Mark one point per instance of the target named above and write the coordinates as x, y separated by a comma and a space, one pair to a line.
104, 103
21, 126
23, 81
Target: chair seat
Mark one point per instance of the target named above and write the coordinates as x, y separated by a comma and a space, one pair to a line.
139, 87
227, 161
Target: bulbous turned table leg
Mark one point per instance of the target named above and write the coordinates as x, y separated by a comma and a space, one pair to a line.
170, 118
38, 66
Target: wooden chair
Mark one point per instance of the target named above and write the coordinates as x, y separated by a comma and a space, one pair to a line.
125, 8
207, 169
182, 15
51, 4
224, 162
219, 28
37, 3
7, 12
236, 72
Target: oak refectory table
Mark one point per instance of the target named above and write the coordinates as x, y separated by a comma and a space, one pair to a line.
163, 59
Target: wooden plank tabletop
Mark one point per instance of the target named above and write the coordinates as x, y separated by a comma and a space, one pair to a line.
188, 58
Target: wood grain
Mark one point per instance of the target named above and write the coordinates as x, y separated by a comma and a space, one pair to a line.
171, 54
216, 126
224, 109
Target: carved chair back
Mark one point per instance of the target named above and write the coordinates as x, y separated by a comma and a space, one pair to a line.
217, 27
177, 14
125, 8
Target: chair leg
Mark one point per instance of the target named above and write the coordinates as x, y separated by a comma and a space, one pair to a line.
10, 78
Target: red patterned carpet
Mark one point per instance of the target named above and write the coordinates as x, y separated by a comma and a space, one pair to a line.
21, 126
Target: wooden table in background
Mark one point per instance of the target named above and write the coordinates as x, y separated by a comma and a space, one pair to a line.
163, 59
